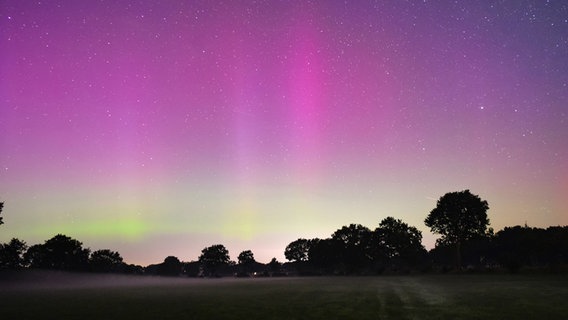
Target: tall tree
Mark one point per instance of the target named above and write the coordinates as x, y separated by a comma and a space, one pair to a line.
458, 217
213, 257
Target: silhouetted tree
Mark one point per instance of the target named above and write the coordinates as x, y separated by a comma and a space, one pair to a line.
132, 269
354, 247
12, 254
443, 256
517, 247
34, 257
246, 261
275, 267
1, 207
478, 251
458, 217
213, 257
170, 267
297, 250
398, 243
105, 260
556, 243
246, 257
60, 252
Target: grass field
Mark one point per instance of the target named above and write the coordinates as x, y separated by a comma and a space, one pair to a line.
387, 297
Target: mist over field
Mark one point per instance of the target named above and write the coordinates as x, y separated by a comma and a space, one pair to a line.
53, 280
58, 295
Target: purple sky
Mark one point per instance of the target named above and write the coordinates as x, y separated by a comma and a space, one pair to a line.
160, 128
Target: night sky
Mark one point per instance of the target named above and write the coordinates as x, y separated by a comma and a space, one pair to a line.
158, 128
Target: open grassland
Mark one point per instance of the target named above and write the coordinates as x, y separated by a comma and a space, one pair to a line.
387, 297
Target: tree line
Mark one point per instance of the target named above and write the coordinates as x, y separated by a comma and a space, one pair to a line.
460, 218
65, 253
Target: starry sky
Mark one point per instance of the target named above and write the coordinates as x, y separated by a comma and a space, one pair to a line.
160, 128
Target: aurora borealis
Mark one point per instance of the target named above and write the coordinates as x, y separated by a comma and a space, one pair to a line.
160, 128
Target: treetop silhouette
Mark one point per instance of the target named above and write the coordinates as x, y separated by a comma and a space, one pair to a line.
458, 217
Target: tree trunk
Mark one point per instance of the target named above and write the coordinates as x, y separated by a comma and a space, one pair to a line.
458, 256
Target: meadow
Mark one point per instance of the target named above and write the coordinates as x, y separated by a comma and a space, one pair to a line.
385, 297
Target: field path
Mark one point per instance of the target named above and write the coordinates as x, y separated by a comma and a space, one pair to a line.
406, 298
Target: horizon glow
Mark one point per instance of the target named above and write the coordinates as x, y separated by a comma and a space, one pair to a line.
160, 129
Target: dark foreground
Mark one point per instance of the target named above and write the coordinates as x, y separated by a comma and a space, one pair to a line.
60, 296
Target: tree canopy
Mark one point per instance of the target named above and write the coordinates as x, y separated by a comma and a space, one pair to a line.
213, 257
398, 243
353, 247
60, 252
246, 257
105, 260
297, 250
170, 267
12, 254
